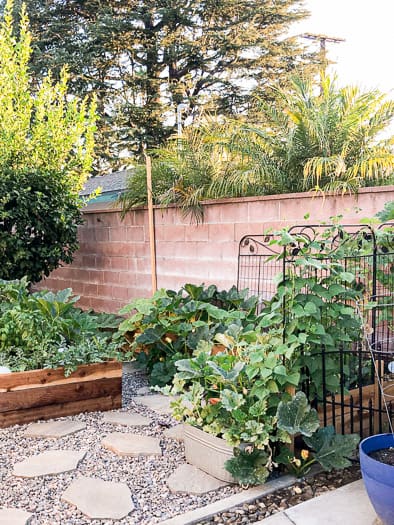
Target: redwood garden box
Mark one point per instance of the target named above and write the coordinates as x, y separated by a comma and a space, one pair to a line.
45, 394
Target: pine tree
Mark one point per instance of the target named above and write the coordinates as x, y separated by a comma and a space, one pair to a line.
143, 58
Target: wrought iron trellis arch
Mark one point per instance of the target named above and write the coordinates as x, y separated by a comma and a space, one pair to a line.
260, 260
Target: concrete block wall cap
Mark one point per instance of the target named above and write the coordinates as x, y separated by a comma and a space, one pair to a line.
110, 208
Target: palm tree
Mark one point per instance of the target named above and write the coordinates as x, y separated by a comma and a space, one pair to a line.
330, 140
192, 168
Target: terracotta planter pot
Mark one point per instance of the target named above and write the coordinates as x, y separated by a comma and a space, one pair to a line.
207, 452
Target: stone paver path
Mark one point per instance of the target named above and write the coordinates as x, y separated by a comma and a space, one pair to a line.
174, 433
348, 504
143, 391
14, 517
191, 480
132, 445
100, 499
156, 402
50, 462
54, 429
92, 491
126, 419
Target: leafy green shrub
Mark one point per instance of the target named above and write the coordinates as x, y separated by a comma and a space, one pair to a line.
46, 330
387, 214
46, 146
234, 394
38, 223
170, 325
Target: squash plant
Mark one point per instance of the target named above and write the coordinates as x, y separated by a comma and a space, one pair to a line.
234, 394
243, 395
326, 447
169, 325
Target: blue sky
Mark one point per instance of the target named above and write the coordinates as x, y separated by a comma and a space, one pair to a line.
367, 56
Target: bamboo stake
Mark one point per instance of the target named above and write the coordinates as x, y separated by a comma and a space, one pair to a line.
151, 220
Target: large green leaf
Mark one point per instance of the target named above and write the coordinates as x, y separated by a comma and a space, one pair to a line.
230, 375
150, 336
297, 416
332, 450
231, 400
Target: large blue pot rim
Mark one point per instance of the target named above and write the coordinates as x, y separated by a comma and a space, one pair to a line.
371, 467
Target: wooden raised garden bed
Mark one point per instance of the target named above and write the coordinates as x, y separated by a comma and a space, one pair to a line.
369, 398
45, 394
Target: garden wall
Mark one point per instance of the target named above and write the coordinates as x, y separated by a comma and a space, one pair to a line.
112, 265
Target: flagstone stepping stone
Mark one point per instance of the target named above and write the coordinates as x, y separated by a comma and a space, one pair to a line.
187, 479
14, 517
157, 402
132, 445
98, 499
54, 429
175, 433
50, 462
127, 419
143, 391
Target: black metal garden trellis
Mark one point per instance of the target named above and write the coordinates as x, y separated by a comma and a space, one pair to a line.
357, 405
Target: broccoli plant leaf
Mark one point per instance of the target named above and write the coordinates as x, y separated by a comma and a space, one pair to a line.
332, 450
297, 416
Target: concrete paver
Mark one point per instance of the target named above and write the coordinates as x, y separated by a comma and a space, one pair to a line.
49, 463
156, 402
175, 432
191, 480
14, 517
347, 505
100, 499
132, 445
126, 419
54, 429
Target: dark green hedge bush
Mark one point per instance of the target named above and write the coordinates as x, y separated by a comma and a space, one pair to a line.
39, 216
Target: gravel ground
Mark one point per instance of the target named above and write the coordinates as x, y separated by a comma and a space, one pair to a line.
285, 498
146, 477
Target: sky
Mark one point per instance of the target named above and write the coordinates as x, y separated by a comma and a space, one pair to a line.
367, 56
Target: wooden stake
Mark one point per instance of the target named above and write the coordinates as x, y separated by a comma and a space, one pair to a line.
151, 219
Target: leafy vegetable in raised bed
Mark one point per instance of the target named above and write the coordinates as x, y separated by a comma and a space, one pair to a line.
46, 329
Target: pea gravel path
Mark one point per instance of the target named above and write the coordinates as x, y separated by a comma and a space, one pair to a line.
146, 476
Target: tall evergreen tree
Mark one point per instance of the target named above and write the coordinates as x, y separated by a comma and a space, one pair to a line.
144, 57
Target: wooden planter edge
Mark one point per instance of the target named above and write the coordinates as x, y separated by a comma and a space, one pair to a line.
46, 394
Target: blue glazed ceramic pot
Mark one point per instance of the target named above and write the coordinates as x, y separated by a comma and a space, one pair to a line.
378, 477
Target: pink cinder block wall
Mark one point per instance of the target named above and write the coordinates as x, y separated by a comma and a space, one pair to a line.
112, 265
